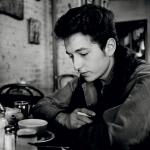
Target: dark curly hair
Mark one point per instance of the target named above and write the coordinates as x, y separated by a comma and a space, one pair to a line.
89, 19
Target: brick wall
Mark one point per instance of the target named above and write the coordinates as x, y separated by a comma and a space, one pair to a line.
18, 58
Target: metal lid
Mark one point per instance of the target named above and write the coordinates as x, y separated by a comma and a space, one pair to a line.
9, 129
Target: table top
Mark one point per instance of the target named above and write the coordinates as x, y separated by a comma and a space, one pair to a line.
22, 143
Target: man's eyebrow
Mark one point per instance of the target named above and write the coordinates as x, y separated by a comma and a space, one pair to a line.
78, 50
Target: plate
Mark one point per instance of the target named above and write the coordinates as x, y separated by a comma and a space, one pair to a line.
45, 137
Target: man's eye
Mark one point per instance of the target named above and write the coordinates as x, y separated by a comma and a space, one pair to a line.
83, 54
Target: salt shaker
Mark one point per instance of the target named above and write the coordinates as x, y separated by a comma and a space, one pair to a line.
3, 123
10, 141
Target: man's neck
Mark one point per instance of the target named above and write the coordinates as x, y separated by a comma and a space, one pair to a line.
109, 73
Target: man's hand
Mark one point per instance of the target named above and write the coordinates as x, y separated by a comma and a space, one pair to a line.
76, 119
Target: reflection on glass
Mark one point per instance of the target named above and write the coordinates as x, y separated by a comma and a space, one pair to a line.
132, 34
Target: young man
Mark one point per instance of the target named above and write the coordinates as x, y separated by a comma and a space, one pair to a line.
108, 106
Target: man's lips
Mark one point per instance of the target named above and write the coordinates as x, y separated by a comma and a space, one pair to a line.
84, 73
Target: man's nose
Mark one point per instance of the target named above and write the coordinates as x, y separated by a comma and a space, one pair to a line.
77, 62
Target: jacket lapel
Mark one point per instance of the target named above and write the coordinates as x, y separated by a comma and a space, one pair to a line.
89, 93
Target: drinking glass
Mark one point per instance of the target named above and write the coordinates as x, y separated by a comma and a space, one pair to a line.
23, 106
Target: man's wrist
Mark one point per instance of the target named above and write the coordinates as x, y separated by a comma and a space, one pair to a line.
61, 118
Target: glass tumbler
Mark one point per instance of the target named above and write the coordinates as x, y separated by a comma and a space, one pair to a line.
23, 106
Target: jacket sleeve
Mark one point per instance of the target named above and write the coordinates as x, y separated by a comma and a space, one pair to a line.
129, 123
123, 125
50, 106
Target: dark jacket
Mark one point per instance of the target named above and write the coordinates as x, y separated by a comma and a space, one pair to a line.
122, 107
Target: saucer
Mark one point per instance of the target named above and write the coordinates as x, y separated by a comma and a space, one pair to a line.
44, 137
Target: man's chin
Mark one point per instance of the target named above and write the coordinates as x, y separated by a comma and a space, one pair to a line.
88, 79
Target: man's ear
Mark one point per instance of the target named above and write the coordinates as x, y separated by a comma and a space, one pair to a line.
110, 47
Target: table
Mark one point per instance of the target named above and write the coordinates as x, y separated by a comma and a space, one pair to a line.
22, 144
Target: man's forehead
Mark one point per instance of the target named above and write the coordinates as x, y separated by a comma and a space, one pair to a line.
77, 42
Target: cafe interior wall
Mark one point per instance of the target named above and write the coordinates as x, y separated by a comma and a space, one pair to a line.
34, 62
21, 60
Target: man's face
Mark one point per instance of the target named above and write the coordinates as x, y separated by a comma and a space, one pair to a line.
88, 58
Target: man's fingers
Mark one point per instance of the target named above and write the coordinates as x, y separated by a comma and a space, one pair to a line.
86, 112
84, 119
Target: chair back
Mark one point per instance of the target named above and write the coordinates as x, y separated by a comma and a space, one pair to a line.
19, 92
